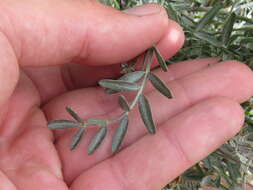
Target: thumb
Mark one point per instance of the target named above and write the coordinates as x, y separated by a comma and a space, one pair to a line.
56, 32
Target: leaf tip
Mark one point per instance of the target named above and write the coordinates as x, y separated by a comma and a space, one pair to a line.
89, 152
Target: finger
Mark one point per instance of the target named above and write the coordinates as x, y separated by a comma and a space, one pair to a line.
28, 156
176, 71
88, 105
48, 80
6, 183
73, 76
211, 81
184, 68
8, 73
79, 76
182, 141
58, 82
62, 31
230, 79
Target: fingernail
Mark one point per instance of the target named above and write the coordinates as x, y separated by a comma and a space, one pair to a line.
144, 10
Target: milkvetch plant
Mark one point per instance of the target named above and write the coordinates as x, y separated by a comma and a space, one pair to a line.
133, 80
214, 28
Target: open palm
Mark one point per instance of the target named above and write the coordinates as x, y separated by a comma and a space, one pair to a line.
204, 113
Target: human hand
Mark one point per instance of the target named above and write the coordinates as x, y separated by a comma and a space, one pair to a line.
40, 36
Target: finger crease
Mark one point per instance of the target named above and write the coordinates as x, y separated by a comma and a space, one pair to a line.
173, 141
117, 174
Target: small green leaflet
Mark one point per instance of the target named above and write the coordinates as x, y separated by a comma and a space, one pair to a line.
194, 175
110, 91
63, 124
119, 134
172, 12
207, 37
159, 85
228, 28
73, 114
208, 17
146, 115
187, 21
118, 85
77, 138
97, 140
132, 76
160, 59
94, 121
123, 103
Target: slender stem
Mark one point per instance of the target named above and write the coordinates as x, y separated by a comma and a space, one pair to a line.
121, 116
144, 60
149, 54
143, 82
84, 125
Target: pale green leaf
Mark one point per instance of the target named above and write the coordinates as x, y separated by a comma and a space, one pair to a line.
207, 37
146, 115
119, 134
132, 76
110, 91
97, 140
172, 12
94, 121
63, 124
118, 85
73, 114
159, 85
128, 77
228, 28
123, 103
160, 59
77, 138
208, 17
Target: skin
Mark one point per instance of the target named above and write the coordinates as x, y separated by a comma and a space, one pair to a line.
38, 38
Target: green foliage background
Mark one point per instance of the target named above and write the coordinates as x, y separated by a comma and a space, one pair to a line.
230, 167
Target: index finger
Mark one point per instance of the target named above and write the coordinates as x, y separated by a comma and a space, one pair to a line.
153, 161
57, 32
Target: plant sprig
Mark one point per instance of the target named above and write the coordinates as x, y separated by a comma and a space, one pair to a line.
134, 81
226, 34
